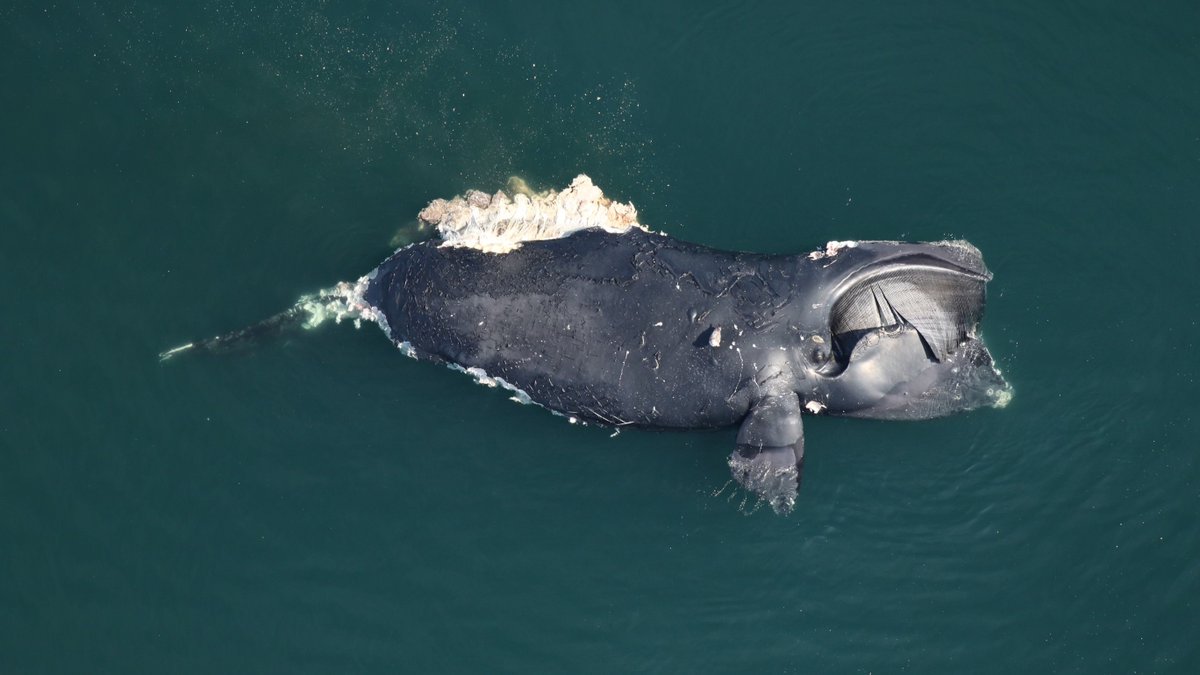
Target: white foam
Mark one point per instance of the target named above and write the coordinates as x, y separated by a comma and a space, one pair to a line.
343, 301
1003, 397
832, 249
481, 377
500, 223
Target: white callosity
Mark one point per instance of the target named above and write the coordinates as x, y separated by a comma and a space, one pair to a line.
499, 223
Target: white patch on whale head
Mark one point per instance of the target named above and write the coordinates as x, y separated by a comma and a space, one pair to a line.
499, 223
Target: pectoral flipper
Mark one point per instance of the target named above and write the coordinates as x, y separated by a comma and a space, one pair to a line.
770, 450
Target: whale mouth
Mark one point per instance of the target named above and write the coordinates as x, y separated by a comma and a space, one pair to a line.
904, 337
940, 299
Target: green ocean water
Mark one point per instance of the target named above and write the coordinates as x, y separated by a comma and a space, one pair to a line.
323, 504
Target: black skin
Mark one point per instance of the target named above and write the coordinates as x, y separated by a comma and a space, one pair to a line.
617, 329
612, 329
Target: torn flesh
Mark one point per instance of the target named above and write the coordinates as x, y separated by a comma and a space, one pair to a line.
500, 222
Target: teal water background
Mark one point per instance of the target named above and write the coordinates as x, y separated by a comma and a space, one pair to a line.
325, 505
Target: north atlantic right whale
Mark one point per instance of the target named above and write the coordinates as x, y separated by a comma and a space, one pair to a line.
565, 299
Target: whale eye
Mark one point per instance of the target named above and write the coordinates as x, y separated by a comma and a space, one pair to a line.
819, 356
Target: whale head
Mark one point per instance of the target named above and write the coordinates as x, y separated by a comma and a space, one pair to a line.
901, 333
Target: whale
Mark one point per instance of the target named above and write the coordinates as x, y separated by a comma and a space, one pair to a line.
565, 299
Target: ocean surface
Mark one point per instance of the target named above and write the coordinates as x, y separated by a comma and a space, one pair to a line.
322, 504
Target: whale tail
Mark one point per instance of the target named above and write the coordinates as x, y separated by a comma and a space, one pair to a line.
284, 322
343, 301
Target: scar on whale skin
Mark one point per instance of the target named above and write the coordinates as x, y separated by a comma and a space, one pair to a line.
870, 329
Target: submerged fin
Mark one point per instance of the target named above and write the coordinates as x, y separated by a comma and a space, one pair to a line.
343, 301
243, 338
770, 451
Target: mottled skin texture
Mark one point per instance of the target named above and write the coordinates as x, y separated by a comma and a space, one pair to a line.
618, 329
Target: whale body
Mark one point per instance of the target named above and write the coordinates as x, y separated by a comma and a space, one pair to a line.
564, 298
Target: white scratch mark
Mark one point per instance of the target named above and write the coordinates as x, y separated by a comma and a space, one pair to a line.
738, 382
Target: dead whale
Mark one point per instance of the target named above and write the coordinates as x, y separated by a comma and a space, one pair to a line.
565, 299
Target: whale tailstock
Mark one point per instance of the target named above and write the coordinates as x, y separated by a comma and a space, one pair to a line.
343, 301
770, 451
273, 326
